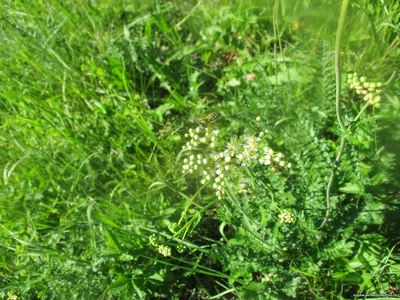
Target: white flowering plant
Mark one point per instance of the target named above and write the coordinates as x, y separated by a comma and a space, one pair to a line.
215, 161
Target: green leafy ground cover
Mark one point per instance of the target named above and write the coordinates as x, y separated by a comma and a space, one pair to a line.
109, 191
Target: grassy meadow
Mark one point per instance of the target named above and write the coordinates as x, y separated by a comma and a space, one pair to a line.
199, 149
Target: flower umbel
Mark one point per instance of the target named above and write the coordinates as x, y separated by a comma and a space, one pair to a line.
248, 150
287, 217
370, 91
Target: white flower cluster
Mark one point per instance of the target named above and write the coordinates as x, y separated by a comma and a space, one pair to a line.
193, 163
219, 180
201, 135
162, 249
216, 166
370, 90
243, 149
11, 296
287, 217
270, 158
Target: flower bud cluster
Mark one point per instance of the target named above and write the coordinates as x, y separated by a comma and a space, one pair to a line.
173, 227
11, 296
193, 163
201, 135
287, 217
181, 248
369, 90
162, 249
219, 179
275, 160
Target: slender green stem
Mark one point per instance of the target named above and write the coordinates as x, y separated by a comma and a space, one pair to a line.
391, 78
361, 111
330, 182
339, 33
189, 203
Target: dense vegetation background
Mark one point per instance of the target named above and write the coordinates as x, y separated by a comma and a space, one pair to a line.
97, 99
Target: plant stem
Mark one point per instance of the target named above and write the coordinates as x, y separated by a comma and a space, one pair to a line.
361, 111
339, 33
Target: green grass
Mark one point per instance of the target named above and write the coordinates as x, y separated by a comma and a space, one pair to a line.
95, 102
